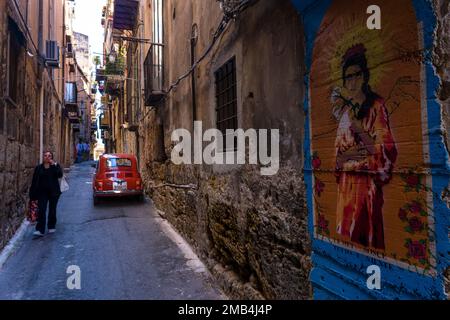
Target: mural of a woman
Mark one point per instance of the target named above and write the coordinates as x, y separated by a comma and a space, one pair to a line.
365, 153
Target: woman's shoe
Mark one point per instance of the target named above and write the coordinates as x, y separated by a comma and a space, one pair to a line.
38, 234
51, 230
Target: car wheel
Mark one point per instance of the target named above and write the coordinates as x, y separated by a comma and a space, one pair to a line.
96, 200
141, 198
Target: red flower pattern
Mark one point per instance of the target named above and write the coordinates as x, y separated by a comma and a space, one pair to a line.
415, 224
316, 162
417, 250
402, 214
319, 187
412, 181
415, 207
322, 224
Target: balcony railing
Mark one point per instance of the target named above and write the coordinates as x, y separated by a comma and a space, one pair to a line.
74, 117
71, 97
154, 75
125, 14
104, 121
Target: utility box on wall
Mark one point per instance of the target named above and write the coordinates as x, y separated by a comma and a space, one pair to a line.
376, 162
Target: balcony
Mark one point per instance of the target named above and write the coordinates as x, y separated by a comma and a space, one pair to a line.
104, 121
73, 117
125, 13
100, 75
154, 75
76, 127
94, 126
70, 97
115, 68
52, 59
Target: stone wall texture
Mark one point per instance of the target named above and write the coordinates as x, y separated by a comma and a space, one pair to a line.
19, 121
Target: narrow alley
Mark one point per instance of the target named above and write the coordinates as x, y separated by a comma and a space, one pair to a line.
244, 149
120, 247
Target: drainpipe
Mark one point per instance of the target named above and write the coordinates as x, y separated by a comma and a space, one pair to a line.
41, 99
41, 123
139, 78
194, 37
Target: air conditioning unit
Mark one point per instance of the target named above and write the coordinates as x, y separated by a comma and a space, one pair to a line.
52, 54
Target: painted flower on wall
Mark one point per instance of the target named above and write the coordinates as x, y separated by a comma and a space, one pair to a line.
403, 214
316, 162
322, 224
415, 225
319, 187
415, 207
413, 181
411, 213
417, 250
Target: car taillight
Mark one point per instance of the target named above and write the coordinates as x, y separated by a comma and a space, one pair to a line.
138, 184
100, 186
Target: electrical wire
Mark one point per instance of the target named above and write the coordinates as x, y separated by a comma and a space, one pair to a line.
228, 16
220, 29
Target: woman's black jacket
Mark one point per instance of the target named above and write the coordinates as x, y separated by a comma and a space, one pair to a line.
55, 173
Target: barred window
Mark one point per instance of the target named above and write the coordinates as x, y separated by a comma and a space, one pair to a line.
15, 42
226, 97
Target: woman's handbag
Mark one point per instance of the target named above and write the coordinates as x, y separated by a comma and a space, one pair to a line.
64, 186
33, 210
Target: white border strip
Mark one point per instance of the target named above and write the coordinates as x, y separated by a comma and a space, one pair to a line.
14, 243
193, 261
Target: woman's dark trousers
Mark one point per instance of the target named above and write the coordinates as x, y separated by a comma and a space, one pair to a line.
52, 202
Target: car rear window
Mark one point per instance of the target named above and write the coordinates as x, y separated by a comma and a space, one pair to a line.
118, 162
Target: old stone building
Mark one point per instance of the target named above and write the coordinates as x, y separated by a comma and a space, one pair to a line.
34, 98
280, 65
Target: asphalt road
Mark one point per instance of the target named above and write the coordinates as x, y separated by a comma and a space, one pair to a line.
120, 247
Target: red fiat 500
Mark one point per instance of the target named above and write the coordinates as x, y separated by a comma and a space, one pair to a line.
117, 176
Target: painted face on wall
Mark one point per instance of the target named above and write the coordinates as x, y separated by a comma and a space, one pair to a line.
353, 79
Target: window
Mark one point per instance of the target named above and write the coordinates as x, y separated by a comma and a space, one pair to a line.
130, 85
154, 61
71, 93
226, 97
15, 41
118, 162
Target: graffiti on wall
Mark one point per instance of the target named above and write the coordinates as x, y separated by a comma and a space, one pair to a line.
368, 142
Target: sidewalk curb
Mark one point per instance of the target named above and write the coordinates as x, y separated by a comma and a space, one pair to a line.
14, 243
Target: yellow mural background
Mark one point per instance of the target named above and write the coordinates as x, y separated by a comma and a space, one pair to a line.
395, 70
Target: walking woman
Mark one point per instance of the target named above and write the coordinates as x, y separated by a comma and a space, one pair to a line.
46, 190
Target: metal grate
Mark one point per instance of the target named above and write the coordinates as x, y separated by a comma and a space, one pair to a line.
154, 74
226, 97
